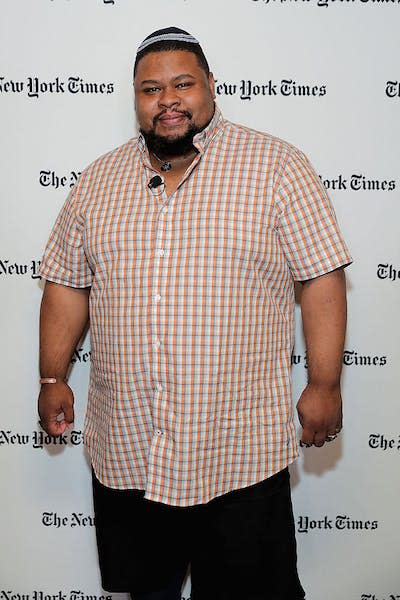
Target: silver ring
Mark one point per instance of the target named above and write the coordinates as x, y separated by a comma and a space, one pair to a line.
330, 438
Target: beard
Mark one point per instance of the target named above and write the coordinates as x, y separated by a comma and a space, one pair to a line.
166, 147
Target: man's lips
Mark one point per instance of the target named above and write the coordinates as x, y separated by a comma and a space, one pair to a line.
174, 118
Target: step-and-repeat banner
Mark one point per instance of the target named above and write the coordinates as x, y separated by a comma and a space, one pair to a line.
322, 74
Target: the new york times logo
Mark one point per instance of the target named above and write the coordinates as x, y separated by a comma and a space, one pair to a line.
375, 597
81, 355
53, 519
248, 90
39, 595
326, 3
306, 524
393, 89
39, 439
379, 441
388, 271
35, 87
53, 180
103, 1
358, 182
299, 359
12, 268
351, 358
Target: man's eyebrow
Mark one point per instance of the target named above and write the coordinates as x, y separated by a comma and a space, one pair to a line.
184, 76
148, 81
177, 78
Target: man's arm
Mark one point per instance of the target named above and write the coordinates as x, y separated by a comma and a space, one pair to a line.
63, 318
323, 308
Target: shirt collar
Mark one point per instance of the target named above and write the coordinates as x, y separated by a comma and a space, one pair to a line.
200, 140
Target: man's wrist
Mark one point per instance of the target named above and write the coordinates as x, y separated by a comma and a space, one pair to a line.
328, 386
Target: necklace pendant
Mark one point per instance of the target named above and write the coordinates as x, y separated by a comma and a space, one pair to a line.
166, 166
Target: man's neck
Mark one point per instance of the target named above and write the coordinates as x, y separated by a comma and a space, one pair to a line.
172, 163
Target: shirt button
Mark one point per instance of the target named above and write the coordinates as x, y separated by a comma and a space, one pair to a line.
157, 297
157, 344
159, 388
160, 252
165, 209
159, 432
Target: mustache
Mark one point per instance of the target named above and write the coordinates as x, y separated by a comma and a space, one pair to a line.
186, 113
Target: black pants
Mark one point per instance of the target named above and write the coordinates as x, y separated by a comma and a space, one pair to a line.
241, 546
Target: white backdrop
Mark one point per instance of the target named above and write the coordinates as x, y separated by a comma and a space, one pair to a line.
65, 98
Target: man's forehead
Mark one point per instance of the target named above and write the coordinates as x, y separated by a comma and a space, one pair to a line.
166, 63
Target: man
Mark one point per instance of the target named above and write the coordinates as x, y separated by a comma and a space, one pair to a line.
183, 245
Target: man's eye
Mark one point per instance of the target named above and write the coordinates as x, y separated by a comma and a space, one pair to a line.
184, 84
151, 90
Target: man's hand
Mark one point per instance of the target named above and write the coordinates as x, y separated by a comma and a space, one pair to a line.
320, 414
56, 407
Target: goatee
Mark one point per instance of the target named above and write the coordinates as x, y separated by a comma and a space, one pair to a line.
167, 148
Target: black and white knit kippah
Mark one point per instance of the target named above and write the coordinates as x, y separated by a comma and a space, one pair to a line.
170, 34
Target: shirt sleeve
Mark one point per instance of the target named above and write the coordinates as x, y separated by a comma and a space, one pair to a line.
64, 259
308, 229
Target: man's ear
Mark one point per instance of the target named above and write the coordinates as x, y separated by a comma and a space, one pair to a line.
211, 83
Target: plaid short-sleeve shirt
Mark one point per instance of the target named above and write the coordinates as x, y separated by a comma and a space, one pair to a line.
192, 308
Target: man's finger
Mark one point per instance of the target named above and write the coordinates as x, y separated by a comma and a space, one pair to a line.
320, 438
52, 427
307, 437
68, 410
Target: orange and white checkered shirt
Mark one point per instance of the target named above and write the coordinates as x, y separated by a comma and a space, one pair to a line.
192, 308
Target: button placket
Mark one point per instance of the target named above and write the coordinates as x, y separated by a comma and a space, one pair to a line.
159, 277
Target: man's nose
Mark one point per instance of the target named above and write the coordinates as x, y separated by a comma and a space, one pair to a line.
169, 98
